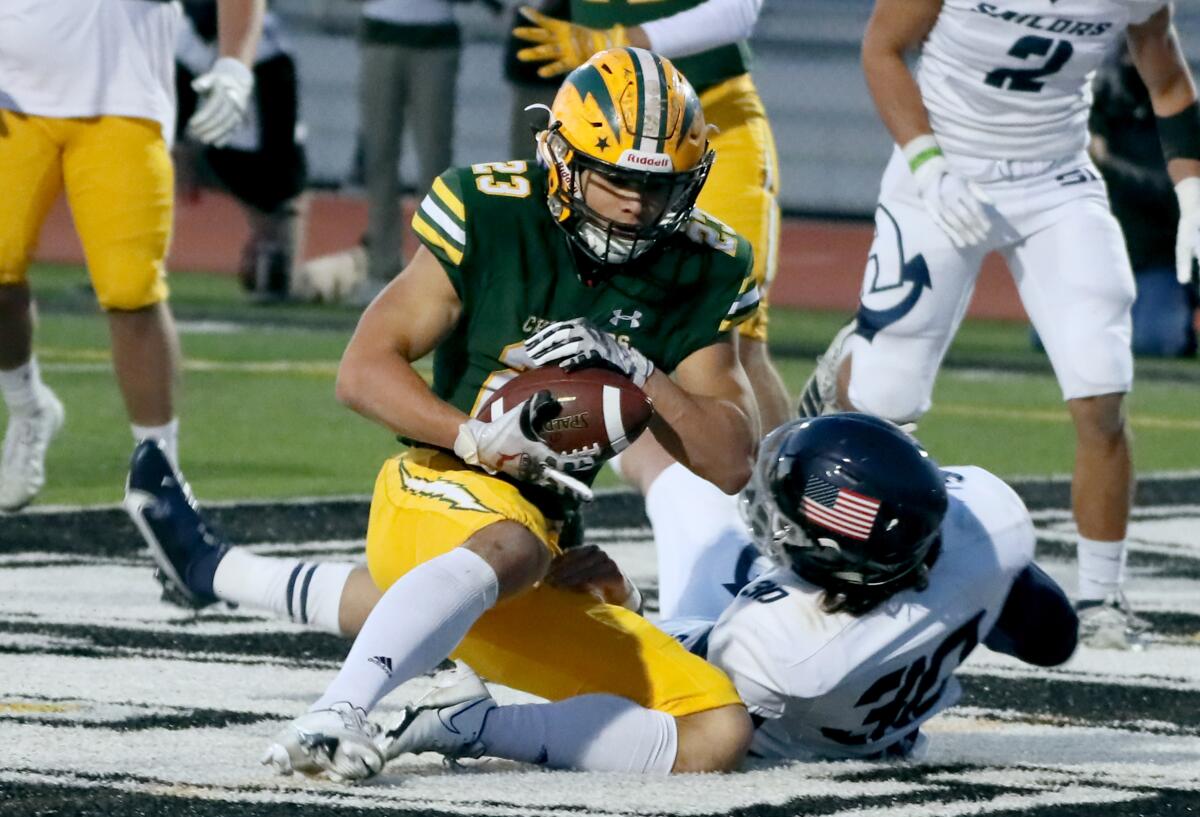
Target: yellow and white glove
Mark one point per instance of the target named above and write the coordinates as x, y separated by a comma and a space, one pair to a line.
509, 444
954, 203
563, 46
224, 94
1187, 240
579, 343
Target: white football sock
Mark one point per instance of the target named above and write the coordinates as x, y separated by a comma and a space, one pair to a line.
1101, 568
594, 733
305, 592
701, 544
20, 386
168, 434
418, 622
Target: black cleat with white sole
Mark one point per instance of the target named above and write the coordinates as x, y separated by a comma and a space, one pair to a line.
186, 550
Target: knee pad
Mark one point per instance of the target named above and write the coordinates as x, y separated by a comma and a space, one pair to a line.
893, 393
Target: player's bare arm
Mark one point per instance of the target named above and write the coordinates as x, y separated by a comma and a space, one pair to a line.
896, 28
706, 417
403, 324
239, 25
1155, 49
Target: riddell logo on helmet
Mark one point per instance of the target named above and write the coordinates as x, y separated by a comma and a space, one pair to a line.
645, 161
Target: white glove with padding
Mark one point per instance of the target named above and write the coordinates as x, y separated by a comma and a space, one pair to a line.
224, 95
578, 343
955, 204
510, 445
1187, 239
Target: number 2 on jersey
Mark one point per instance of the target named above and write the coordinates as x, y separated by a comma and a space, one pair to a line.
1026, 79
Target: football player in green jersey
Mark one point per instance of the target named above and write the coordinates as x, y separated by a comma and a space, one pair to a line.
596, 258
707, 39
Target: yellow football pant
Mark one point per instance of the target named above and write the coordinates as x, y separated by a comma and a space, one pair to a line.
742, 186
546, 641
120, 184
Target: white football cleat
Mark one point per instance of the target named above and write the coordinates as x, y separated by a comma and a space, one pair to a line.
1110, 624
23, 463
447, 720
819, 395
338, 741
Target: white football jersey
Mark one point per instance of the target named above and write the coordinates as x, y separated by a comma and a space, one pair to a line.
69, 58
1011, 79
839, 686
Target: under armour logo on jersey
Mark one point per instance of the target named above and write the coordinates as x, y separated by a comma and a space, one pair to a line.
619, 317
383, 662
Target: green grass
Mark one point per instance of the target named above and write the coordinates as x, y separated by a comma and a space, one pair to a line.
260, 421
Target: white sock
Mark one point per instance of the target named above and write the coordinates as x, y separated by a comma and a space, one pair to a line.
418, 622
305, 592
20, 386
168, 434
593, 733
1101, 568
700, 540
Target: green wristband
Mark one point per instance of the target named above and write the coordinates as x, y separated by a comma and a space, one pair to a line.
923, 157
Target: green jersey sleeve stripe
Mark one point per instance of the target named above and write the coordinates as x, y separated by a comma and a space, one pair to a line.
432, 210
747, 302
437, 243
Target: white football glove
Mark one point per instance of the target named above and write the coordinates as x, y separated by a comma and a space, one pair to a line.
224, 94
578, 343
956, 204
1187, 241
509, 444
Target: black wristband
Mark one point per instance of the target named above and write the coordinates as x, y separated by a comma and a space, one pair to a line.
1180, 133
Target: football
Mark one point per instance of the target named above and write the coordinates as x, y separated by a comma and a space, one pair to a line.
602, 411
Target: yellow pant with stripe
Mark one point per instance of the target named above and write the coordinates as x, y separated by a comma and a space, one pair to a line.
120, 184
742, 187
546, 641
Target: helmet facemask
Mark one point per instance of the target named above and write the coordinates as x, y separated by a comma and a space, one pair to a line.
666, 200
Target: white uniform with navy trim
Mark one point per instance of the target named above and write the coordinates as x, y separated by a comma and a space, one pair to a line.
77, 58
1007, 85
838, 686
1011, 79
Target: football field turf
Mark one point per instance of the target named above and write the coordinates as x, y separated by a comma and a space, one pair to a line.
113, 703
259, 419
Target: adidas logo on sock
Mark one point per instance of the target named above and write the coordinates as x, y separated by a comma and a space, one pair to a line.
383, 662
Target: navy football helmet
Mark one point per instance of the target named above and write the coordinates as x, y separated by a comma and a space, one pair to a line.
847, 501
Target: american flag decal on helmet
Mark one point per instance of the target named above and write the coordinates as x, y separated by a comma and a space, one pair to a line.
839, 509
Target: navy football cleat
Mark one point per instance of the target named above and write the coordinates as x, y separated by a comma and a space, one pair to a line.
162, 507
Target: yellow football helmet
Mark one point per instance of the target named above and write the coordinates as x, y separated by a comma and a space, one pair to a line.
628, 120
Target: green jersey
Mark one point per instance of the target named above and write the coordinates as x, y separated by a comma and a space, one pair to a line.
703, 70
515, 272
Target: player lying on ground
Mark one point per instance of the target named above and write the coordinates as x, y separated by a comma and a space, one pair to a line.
523, 267
841, 643
883, 573
991, 134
